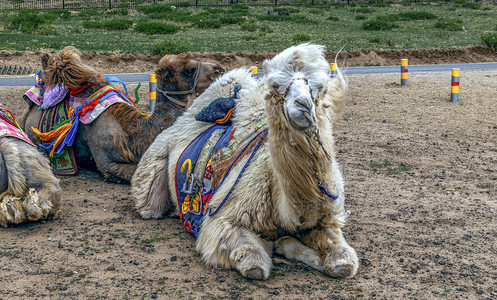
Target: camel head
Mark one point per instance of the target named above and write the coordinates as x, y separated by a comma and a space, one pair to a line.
298, 77
65, 66
181, 78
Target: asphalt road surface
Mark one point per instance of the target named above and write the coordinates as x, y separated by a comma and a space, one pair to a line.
29, 80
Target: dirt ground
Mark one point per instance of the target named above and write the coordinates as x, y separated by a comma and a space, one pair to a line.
421, 185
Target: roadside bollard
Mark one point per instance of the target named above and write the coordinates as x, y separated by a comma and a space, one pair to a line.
334, 72
404, 75
152, 90
454, 89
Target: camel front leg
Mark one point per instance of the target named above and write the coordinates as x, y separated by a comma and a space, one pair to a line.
324, 249
224, 245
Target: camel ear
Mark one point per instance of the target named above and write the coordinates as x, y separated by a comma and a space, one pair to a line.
163, 72
266, 65
44, 60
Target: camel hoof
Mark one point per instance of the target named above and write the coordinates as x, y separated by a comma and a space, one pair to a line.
342, 270
150, 214
341, 262
255, 273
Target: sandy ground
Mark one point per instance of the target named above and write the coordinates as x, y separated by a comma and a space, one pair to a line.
421, 185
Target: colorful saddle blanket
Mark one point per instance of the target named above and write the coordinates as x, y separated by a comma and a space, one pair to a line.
9, 126
108, 96
63, 163
60, 119
205, 163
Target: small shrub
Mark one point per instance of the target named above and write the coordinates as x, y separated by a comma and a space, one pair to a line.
27, 21
364, 10
120, 12
361, 17
470, 5
301, 37
182, 4
231, 20
333, 18
449, 24
381, 4
155, 8
316, 11
168, 47
237, 6
63, 14
416, 15
490, 40
156, 28
249, 37
300, 19
378, 25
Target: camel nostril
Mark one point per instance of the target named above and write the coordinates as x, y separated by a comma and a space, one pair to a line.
304, 103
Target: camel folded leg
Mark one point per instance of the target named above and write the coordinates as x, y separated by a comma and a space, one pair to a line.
224, 245
334, 256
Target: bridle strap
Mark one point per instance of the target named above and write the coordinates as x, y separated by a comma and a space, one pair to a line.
190, 91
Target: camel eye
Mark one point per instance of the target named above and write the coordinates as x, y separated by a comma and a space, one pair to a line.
190, 71
275, 86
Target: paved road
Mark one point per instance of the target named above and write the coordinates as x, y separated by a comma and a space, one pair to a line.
27, 81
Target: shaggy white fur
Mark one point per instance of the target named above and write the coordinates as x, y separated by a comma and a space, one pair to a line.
33, 192
277, 202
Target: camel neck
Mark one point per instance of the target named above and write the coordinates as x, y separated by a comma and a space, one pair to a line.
166, 112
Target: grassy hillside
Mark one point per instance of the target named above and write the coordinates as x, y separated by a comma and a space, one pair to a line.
158, 29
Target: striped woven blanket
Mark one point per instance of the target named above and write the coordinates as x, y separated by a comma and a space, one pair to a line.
9, 126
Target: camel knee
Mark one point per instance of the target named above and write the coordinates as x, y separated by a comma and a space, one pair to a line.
252, 261
231, 246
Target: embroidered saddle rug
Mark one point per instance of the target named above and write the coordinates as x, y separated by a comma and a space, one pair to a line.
209, 158
61, 116
63, 163
9, 126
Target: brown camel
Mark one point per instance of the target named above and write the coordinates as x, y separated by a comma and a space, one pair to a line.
28, 189
114, 143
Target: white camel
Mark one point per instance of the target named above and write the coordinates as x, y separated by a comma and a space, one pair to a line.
286, 192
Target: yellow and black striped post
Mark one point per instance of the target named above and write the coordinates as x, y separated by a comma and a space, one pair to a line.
152, 90
404, 75
454, 89
255, 71
334, 71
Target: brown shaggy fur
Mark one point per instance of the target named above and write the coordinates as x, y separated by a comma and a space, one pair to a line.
66, 67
